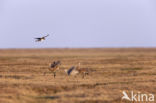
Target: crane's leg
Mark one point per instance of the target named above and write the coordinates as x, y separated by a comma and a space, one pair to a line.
54, 74
83, 76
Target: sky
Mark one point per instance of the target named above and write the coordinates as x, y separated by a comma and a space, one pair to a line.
77, 23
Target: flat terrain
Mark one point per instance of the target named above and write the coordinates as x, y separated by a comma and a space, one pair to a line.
111, 71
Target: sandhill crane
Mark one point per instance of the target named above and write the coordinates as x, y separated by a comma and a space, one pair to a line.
72, 71
41, 38
75, 70
54, 67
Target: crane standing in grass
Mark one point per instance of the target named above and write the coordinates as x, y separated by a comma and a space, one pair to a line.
75, 70
54, 67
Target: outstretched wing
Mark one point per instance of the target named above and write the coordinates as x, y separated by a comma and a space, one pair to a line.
70, 70
55, 64
37, 38
46, 36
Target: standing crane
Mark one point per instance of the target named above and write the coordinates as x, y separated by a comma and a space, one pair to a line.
54, 67
75, 70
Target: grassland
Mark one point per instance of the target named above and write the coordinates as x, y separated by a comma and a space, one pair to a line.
111, 72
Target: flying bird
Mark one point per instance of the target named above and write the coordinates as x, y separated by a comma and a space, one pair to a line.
41, 38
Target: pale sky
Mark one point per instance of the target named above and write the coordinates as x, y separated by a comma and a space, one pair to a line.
77, 23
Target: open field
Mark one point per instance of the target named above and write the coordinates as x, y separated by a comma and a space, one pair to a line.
111, 72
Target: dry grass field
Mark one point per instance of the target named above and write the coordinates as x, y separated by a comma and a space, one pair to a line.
111, 71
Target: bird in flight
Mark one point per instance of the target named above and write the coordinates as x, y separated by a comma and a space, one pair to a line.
41, 38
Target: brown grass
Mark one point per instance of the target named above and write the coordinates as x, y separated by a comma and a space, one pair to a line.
111, 72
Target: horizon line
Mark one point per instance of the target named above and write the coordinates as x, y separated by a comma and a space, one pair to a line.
139, 47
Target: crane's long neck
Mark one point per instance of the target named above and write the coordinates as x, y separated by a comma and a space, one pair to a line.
78, 67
